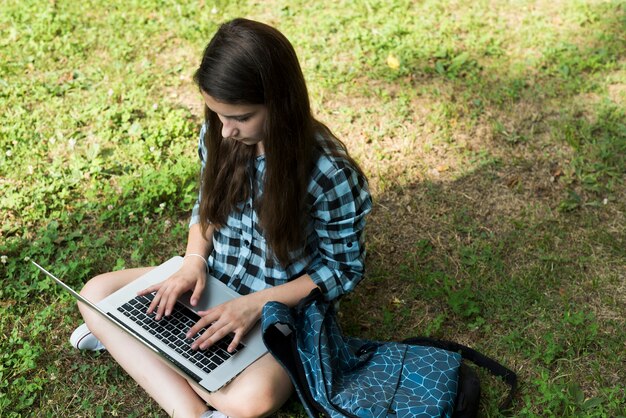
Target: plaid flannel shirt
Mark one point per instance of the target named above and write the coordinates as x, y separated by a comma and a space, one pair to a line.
334, 253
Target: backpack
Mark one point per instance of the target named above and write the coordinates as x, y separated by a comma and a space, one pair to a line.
337, 376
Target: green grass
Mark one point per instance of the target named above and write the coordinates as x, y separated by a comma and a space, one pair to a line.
496, 153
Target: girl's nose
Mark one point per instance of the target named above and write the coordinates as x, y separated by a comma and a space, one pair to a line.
229, 130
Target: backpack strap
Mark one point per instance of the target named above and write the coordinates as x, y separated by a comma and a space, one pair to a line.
477, 358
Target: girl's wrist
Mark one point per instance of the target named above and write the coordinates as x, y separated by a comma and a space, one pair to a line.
260, 299
195, 259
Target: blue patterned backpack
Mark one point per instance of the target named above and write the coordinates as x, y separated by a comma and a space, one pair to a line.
337, 376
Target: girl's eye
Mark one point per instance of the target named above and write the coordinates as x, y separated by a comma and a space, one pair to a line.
243, 118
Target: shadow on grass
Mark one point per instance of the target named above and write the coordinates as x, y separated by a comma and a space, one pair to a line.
498, 269
522, 257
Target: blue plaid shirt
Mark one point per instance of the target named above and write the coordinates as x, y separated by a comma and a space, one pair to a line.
334, 253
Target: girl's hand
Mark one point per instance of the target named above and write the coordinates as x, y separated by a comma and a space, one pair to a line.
191, 275
236, 316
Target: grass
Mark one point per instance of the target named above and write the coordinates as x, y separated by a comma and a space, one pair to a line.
495, 149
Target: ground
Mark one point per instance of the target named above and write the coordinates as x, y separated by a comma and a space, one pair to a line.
492, 134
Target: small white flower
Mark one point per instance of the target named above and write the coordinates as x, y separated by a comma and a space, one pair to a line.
110, 207
146, 220
27, 258
110, 92
152, 149
3, 259
214, 10
605, 201
167, 223
31, 170
52, 140
71, 143
155, 106
162, 205
9, 153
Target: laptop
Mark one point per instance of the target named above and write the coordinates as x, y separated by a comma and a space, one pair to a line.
212, 368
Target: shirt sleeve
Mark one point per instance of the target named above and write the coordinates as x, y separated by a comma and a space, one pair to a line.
195, 212
339, 220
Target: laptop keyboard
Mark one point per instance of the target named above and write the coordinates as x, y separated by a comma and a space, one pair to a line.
172, 329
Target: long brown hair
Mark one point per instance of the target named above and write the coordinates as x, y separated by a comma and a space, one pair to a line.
248, 62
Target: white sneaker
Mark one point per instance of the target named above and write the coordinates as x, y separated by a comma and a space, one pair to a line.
83, 339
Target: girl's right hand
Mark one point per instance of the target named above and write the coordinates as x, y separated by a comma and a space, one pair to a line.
191, 275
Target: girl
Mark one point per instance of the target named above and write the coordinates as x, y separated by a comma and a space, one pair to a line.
281, 210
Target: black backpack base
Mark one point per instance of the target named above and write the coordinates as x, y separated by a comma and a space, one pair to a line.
468, 396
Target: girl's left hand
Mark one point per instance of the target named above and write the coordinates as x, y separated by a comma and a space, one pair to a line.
236, 316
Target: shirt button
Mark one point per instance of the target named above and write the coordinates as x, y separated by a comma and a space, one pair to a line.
247, 243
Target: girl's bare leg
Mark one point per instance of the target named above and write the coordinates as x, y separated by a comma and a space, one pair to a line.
261, 389
258, 391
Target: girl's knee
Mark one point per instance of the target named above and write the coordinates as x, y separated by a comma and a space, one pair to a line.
260, 403
263, 403
259, 399
94, 289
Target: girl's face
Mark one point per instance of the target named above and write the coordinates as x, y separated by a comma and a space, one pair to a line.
240, 122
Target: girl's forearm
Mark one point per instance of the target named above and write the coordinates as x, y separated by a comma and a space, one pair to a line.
289, 293
199, 243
